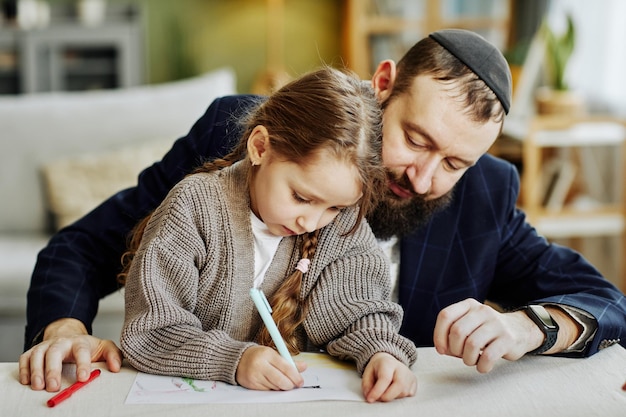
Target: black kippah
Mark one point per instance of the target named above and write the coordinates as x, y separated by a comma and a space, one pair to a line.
481, 57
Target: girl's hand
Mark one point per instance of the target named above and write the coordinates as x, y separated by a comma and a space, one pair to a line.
385, 378
262, 368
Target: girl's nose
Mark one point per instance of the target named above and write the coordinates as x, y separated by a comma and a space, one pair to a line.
316, 218
309, 222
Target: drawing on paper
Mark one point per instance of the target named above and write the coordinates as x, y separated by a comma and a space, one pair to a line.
325, 379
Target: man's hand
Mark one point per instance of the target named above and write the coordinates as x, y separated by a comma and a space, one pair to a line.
65, 340
480, 335
385, 378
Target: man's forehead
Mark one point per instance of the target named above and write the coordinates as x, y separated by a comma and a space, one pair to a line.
426, 93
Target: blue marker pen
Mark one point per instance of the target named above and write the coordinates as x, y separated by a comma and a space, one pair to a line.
265, 310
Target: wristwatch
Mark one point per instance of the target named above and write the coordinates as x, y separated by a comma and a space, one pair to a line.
546, 323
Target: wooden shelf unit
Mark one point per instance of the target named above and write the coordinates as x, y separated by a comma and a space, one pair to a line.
375, 30
601, 175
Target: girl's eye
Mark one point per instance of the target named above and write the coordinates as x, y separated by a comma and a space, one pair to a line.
300, 199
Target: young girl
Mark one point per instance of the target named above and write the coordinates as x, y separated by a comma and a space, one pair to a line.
283, 212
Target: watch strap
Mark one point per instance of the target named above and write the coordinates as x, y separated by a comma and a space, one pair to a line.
547, 344
550, 330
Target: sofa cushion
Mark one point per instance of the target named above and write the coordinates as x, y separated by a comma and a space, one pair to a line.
76, 185
39, 128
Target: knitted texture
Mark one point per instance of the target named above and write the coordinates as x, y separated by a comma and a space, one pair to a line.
188, 309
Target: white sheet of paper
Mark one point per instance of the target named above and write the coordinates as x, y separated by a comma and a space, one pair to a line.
325, 379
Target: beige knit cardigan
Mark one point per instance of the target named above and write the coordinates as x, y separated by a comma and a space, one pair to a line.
188, 309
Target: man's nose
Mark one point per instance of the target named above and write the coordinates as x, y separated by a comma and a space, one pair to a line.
421, 174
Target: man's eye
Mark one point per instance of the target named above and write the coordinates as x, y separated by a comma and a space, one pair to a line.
414, 142
451, 166
300, 199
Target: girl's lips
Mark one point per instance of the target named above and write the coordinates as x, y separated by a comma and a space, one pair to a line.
289, 231
399, 191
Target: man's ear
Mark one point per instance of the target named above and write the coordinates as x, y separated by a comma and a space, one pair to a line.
258, 145
383, 79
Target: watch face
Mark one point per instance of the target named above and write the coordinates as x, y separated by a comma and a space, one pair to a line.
543, 315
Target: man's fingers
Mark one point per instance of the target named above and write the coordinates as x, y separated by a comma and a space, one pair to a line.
82, 356
493, 352
479, 334
37, 370
41, 366
477, 341
445, 320
24, 368
54, 354
113, 356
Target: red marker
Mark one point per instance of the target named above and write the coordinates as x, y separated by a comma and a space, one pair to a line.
67, 392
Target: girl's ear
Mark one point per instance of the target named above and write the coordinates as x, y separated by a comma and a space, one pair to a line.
258, 145
383, 79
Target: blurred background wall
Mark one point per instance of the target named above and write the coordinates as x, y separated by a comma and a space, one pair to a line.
188, 37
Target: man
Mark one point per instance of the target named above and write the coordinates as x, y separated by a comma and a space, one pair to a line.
449, 211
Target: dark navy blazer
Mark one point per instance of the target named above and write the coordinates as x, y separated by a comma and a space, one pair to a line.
479, 247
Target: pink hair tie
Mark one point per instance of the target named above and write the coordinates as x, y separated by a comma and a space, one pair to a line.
303, 265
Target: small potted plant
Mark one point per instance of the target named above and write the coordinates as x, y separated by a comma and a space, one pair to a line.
556, 97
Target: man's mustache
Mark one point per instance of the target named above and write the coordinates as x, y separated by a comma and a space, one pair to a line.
403, 181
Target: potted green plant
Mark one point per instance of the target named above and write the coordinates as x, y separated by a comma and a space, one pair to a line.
556, 97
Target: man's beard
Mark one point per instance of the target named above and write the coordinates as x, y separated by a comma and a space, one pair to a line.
395, 216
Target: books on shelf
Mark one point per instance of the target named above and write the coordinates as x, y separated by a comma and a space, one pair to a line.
558, 177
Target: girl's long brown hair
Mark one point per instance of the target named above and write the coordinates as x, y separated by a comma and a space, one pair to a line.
325, 109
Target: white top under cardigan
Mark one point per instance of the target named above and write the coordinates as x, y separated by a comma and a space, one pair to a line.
265, 247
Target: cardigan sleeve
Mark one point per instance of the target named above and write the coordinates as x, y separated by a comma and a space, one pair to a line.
350, 310
161, 332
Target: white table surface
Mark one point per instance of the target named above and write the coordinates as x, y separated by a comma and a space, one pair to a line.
532, 386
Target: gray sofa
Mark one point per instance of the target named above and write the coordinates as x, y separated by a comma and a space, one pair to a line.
62, 153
